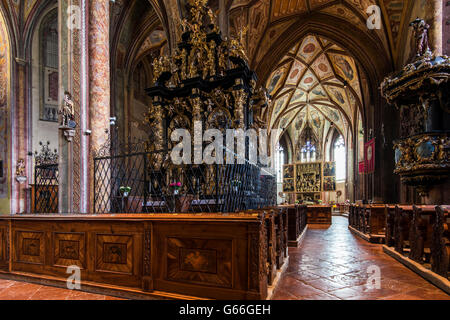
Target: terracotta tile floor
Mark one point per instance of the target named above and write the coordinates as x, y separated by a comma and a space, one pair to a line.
332, 264
17, 290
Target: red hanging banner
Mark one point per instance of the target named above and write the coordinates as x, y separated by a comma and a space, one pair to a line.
362, 167
369, 156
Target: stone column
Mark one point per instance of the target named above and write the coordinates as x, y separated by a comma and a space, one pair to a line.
223, 17
433, 16
20, 137
99, 76
71, 79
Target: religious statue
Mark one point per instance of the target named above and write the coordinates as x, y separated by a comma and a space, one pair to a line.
20, 168
175, 70
212, 21
185, 25
421, 37
183, 56
260, 99
222, 58
209, 106
237, 49
210, 68
195, 62
157, 68
66, 111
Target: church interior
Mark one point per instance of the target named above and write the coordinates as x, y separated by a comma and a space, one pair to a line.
224, 149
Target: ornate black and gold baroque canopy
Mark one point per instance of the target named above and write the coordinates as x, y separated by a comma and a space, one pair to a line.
207, 78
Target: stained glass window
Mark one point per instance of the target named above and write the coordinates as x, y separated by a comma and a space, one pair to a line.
279, 161
308, 152
49, 63
340, 158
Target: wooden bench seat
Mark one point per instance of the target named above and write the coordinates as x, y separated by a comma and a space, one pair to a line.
368, 221
440, 242
419, 237
296, 223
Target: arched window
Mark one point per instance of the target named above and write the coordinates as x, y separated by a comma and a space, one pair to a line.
308, 152
340, 158
308, 147
279, 161
49, 67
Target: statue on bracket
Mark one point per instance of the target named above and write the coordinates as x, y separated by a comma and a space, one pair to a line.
67, 113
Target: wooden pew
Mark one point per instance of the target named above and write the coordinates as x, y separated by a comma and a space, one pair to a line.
368, 222
279, 228
319, 214
402, 224
390, 225
350, 216
440, 242
356, 217
284, 217
271, 246
376, 220
420, 233
355, 214
294, 221
270, 241
276, 226
361, 219
302, 212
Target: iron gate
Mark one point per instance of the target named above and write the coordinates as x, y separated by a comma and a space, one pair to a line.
46, 188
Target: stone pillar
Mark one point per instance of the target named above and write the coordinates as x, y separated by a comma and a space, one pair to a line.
223, 17
20, 137
446, 28
99, 76
433, 16
71, 79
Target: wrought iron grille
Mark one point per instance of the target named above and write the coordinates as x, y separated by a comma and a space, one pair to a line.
46, 188
45, 197
146, 182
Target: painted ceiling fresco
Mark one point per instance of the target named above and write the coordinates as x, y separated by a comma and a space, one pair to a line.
268, 19
318, 74
156, 39
316, 85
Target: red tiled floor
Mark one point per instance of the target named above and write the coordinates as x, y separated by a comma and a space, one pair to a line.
332, 263
17, 290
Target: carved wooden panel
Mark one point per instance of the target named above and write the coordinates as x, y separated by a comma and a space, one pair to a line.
114, 253
205, 261
69, 249
30, 247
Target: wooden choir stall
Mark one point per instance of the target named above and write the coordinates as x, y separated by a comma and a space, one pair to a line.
207, 255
